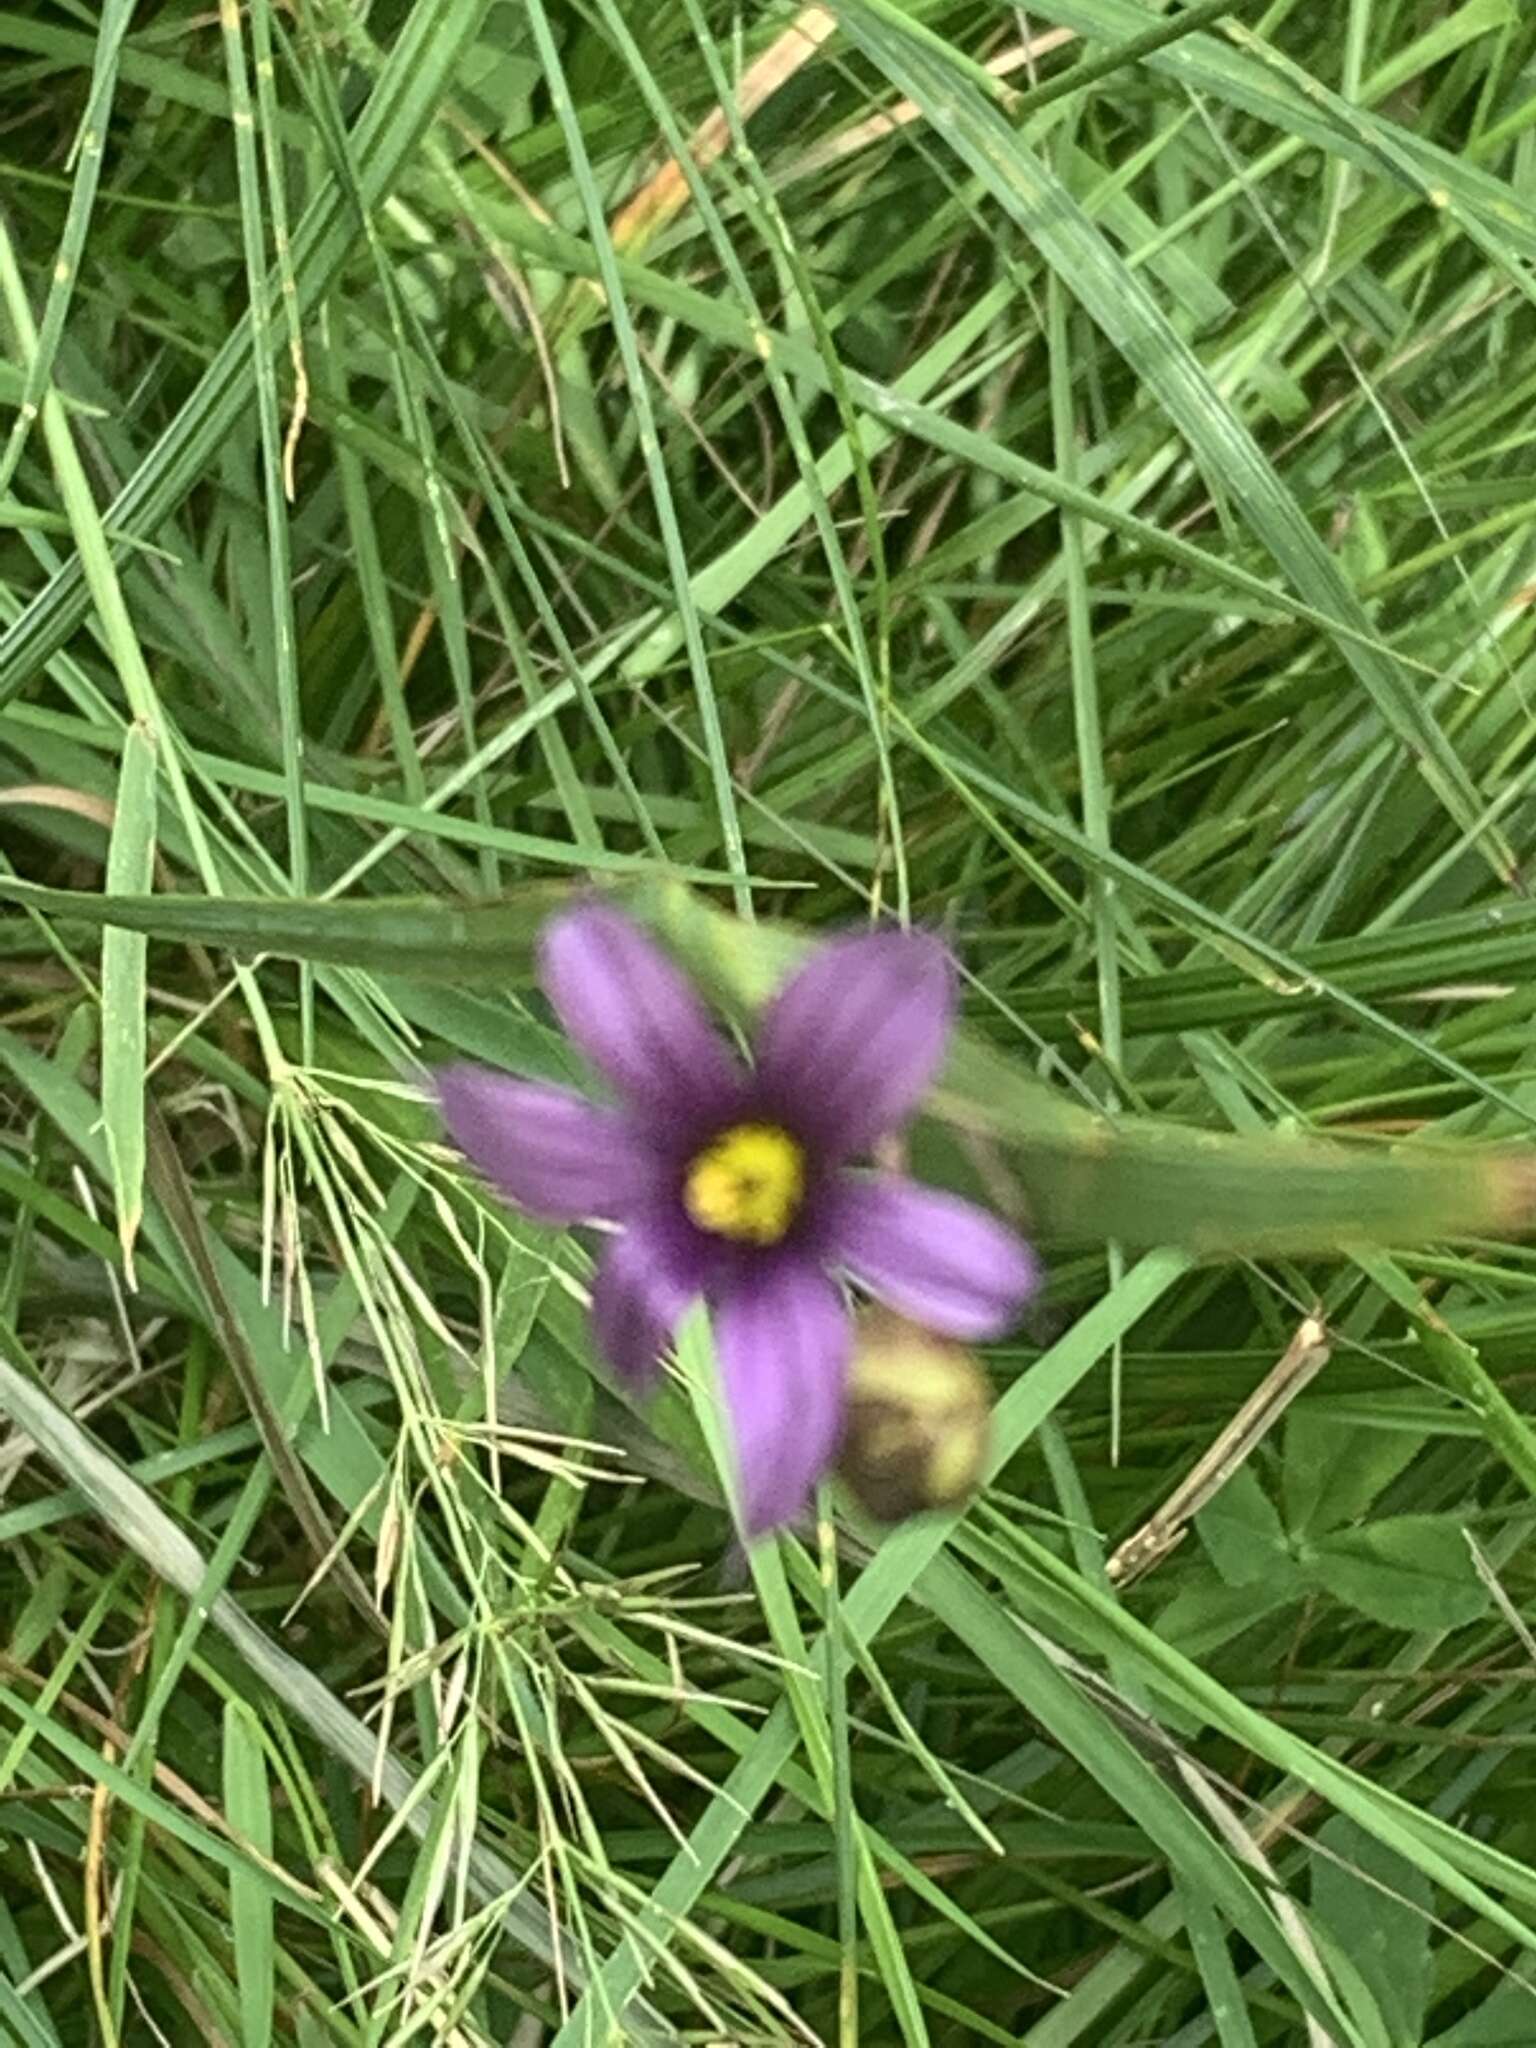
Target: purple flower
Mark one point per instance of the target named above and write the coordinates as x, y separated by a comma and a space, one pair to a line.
735, 1183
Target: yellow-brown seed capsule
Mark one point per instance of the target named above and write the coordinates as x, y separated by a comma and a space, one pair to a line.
919, 1420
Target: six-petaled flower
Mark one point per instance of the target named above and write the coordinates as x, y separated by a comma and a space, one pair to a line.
737, 1184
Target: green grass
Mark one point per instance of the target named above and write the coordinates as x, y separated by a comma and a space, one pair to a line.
451, 452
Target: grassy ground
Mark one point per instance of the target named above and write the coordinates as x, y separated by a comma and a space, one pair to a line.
1061, 472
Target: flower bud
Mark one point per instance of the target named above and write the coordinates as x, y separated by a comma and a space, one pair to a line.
918, 1422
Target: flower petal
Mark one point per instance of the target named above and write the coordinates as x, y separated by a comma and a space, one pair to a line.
545, 1149
639, 1296
635, 1014
852, 1041
783, 1336
938, 1259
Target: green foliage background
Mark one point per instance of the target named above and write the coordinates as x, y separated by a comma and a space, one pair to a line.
1062, 473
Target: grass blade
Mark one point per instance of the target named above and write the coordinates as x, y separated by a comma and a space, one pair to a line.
248, 1803
130, 867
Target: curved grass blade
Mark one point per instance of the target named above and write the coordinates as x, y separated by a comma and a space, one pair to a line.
1317, 115
1118, 301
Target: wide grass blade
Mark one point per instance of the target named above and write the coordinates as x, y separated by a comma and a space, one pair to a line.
1084, 1175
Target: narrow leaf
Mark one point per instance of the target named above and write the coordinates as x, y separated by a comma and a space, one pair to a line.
248, 1804
130, 869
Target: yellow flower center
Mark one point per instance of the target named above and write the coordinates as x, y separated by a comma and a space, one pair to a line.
747, 1184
